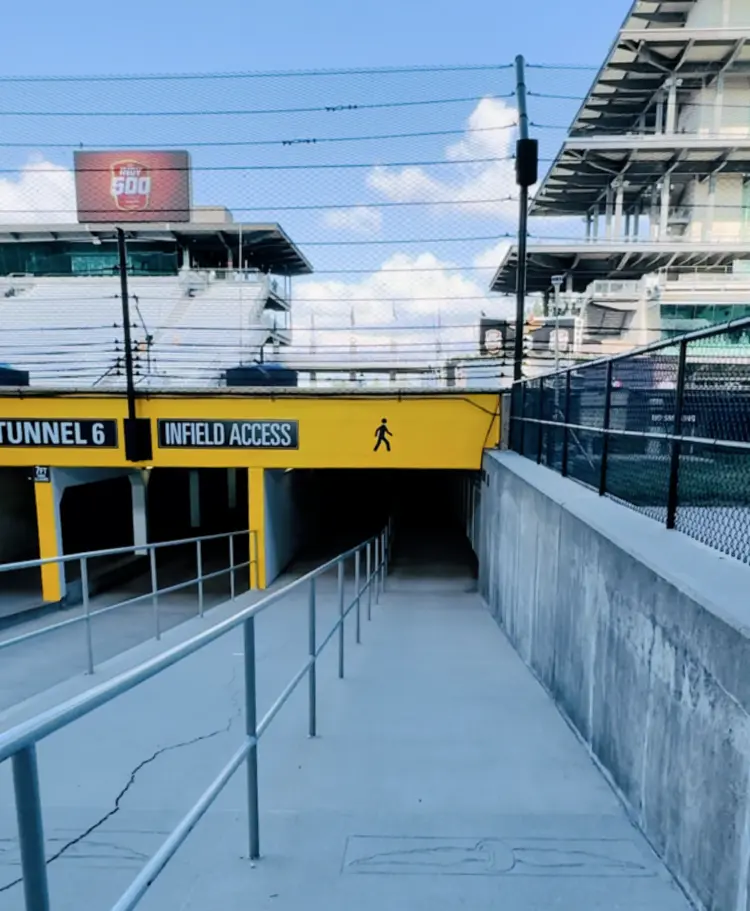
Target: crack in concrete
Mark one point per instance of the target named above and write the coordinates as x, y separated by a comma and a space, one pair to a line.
131, 781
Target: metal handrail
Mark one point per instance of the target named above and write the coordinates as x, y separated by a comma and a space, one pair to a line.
199, 579
19, 743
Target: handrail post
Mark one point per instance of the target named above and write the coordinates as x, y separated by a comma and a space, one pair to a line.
674, 463
385, 560
605, 429
87, 615
155, 593
312, 675
376, 569
199, 567
382, 563
369, 580
521, 419
341, 618
356, 594
251, 724
30, 829
566, 432
231, 566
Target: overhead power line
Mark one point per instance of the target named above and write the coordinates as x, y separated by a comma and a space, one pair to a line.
240, 112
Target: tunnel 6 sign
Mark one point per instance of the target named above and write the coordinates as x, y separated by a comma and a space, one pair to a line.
55, 433
228, 434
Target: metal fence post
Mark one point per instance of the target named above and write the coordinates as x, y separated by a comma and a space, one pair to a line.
341, 619
356, 595
369, 580
30, 829
231, 566
674, 464
251, 722
199, 565
605, 428
521, 419
540, 426
566, 421
87, 615
154, 593
312, 675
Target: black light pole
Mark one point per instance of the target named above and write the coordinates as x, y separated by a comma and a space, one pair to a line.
527, 157
121, 249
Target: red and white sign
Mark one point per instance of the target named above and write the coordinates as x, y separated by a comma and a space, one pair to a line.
131, 186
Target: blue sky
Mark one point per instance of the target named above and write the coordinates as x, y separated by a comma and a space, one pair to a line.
376, 239
92, 36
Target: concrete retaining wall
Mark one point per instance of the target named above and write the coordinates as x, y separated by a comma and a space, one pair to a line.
641, 635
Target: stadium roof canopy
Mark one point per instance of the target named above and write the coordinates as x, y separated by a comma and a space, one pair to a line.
265, 246
585, 262
654, 45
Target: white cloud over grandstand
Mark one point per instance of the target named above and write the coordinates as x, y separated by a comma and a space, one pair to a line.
364, 220
490, 134
41, 192
400, 309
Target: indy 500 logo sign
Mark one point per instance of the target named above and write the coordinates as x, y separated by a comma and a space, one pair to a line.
130, 185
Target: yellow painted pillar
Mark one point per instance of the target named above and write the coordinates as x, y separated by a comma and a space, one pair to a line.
50, 544
256, 490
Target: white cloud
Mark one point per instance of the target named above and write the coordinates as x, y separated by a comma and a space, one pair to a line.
490, 134
358, 220
42, 192
414, 308
491, 258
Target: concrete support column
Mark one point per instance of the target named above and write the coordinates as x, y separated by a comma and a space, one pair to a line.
596, 222
138, 482
659, 115
588, 226
672, 107
708, 223
608, 207
195, 498
48, 494
256, 488
666, 186
653, 210
619, 203
719, 104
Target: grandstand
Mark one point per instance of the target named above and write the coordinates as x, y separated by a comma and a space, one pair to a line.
656, 164
193, 314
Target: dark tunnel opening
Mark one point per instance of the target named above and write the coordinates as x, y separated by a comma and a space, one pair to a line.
340, 508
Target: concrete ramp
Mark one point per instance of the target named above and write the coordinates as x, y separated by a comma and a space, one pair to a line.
443, 778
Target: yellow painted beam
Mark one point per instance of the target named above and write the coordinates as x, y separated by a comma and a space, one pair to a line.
49, 540
443, 431
257, 507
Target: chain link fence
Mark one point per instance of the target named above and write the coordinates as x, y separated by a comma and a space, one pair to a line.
664, 430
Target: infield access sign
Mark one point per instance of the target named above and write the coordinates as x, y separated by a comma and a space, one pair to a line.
132, 186
228, 434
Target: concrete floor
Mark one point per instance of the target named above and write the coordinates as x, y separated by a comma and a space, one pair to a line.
443, 776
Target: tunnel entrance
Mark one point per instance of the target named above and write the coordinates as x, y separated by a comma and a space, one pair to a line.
339, 508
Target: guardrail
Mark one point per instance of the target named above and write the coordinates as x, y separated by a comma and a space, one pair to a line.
153, 595
19, 743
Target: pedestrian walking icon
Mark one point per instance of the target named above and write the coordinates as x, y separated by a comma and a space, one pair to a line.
381, 434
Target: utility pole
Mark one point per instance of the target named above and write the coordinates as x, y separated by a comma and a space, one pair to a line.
127, 341
527, 158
